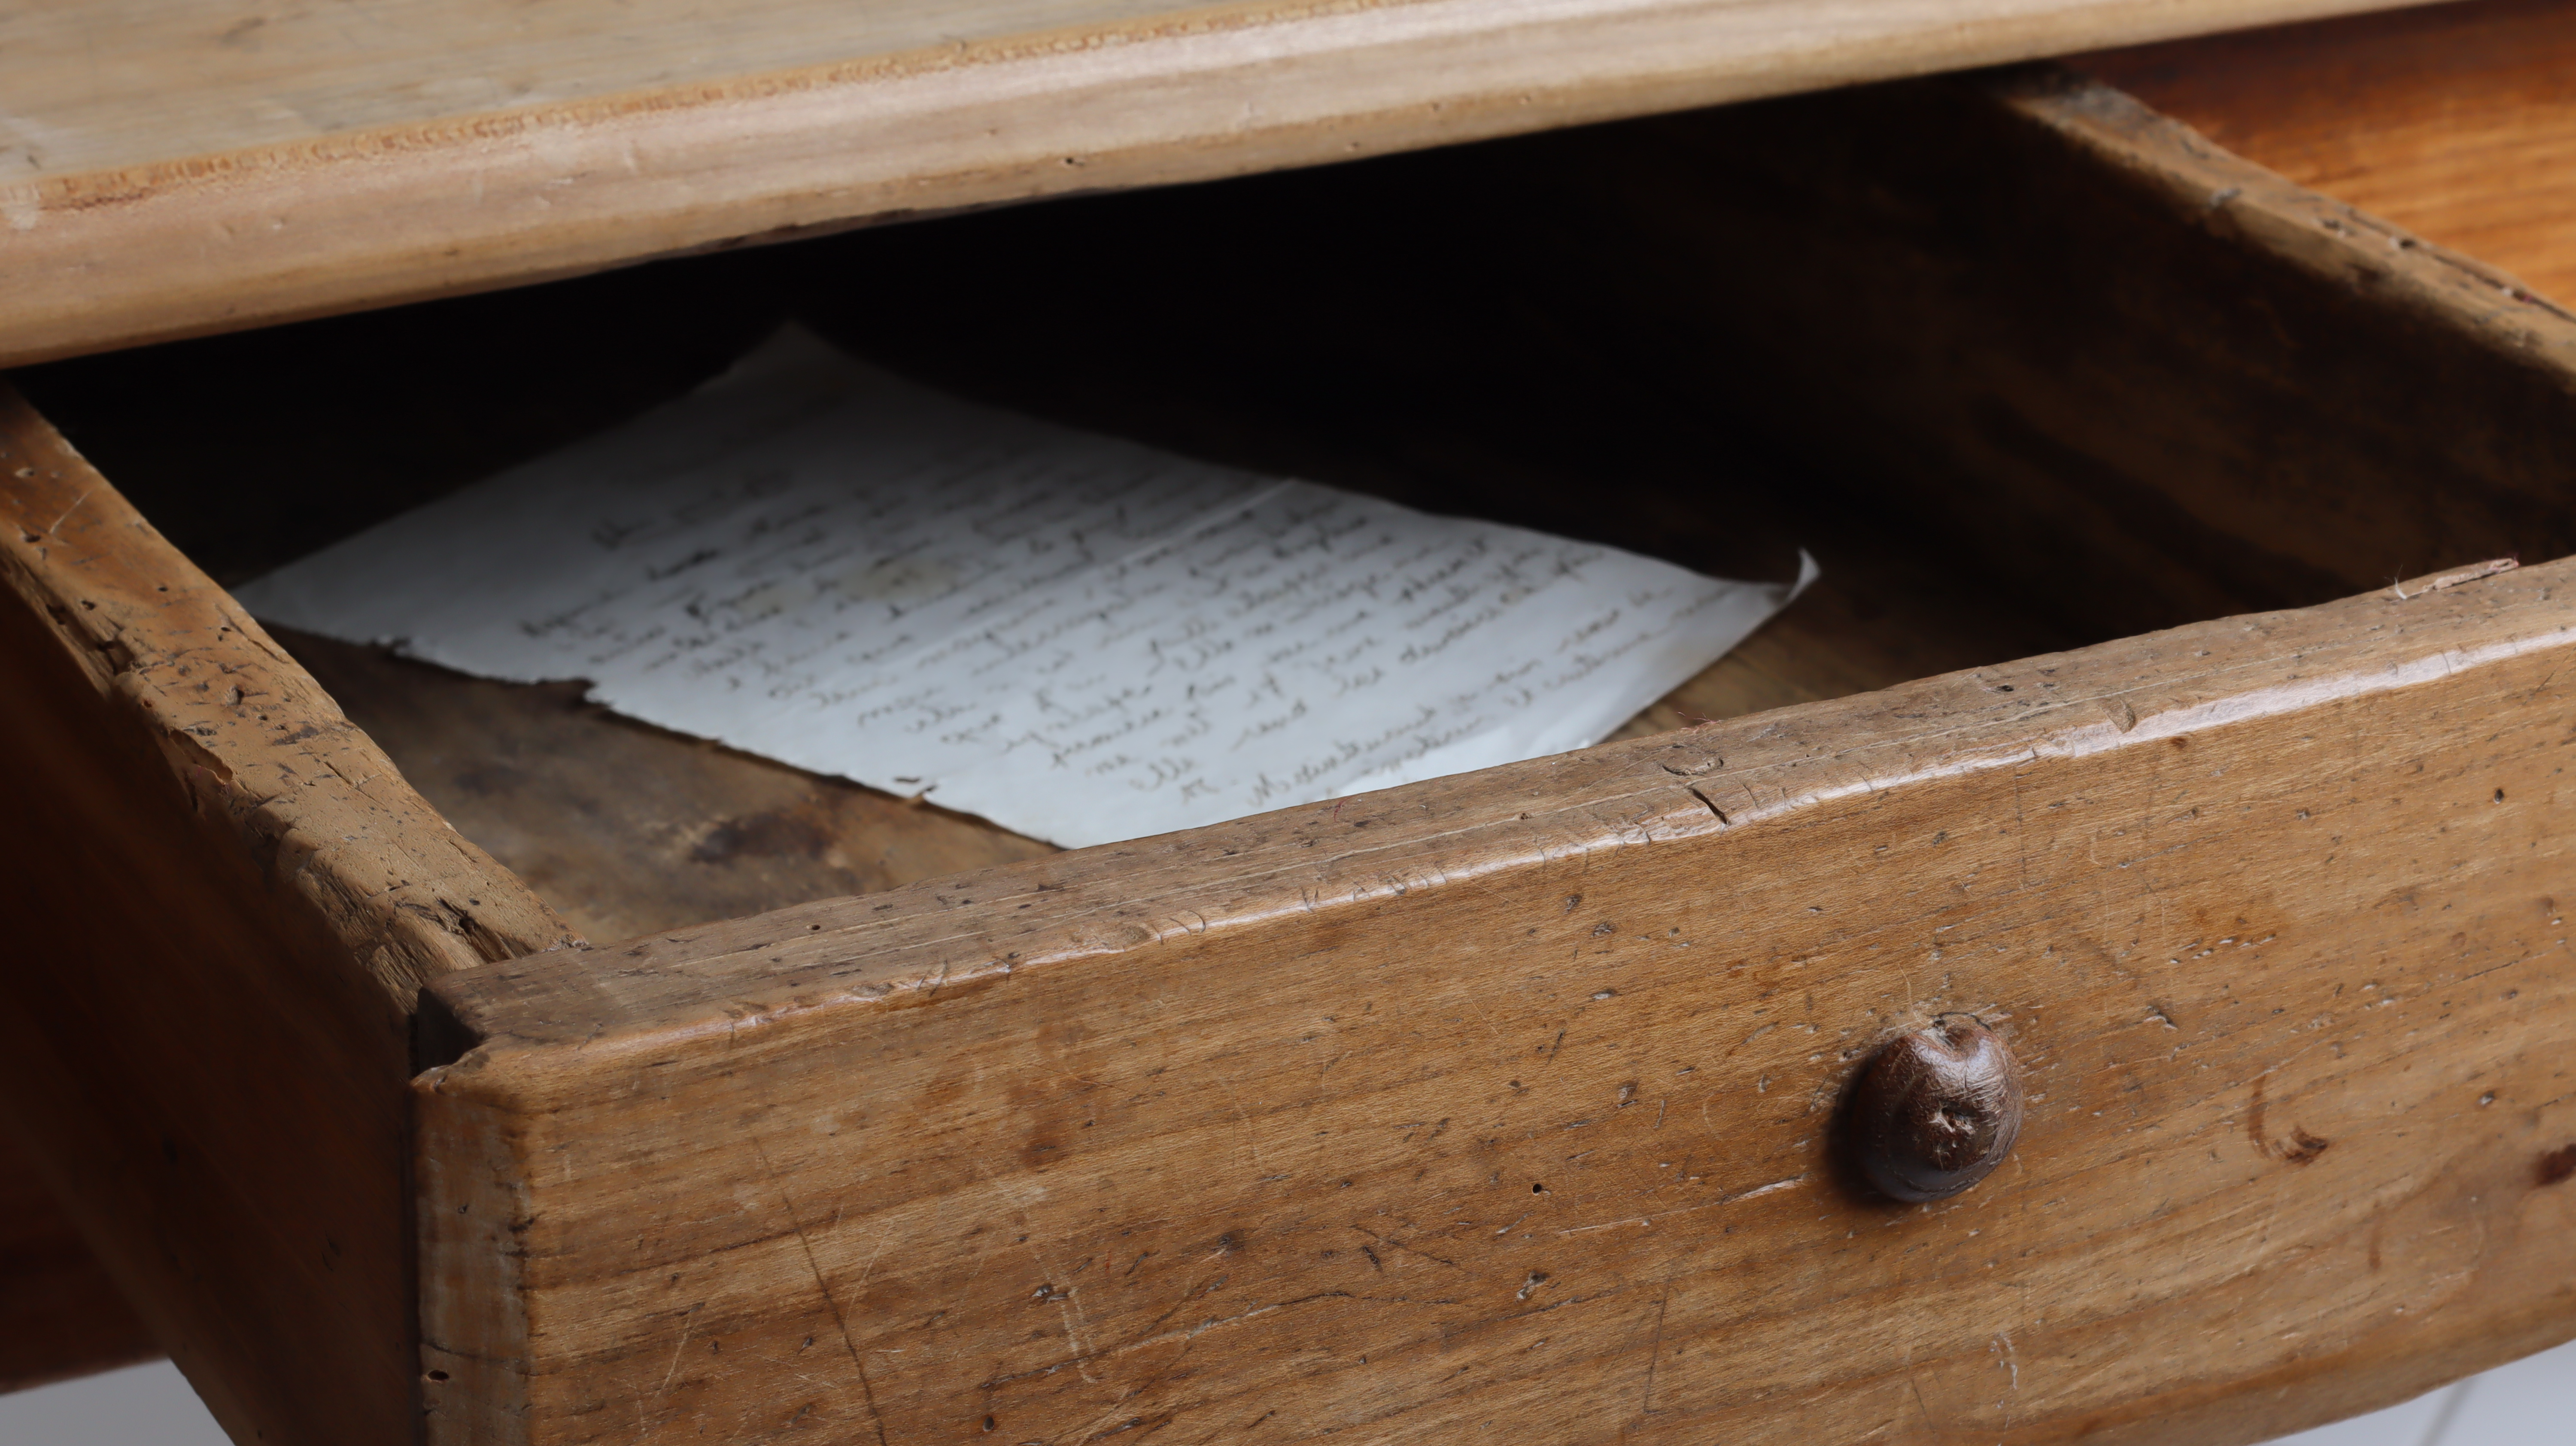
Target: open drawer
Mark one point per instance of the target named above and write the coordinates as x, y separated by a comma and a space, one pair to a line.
1497, 1104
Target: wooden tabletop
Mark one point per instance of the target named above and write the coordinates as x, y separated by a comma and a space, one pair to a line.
169, 168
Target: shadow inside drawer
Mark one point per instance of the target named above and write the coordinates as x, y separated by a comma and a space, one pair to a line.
2014, 400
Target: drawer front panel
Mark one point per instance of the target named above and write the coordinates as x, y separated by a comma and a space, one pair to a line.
1509, 1099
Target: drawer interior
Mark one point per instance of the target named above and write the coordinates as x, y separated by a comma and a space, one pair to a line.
2013, 398
2456, 121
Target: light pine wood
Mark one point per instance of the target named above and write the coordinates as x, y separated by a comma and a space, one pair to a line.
224, 902
178, 169
2457, 122
1508, 1098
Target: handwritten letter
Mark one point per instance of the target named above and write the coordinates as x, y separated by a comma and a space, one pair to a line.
1080, 638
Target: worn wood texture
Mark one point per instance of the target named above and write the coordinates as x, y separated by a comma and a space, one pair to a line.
259, 749
225, 901
178, 169
1502, 1104
2457, 122
2260, 376
629, 829
60, 1313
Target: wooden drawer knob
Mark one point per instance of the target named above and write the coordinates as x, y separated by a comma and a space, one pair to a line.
1936, 1110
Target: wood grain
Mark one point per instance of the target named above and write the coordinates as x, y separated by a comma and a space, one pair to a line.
1505, 1098
220, 928
182, 169
2456, 122
2289, 397
626, 828
252, 742
1570, 322
60, 1313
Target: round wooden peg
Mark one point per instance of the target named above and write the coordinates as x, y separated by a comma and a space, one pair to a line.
1935, 1110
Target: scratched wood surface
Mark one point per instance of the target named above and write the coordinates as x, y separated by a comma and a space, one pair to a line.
174, 169
1503, 1104
1261, 1297
2457, 122
2361, 337
628, 829
220, 928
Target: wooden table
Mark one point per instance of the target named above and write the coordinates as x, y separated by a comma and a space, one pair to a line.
175, 169
1504, 1098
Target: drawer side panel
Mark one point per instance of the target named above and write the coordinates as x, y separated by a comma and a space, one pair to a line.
61, 1314
225, 901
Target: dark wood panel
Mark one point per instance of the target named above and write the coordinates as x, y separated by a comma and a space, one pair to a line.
2135, 380
60, 1313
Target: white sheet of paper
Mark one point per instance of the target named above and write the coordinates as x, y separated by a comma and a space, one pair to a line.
1080, 638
